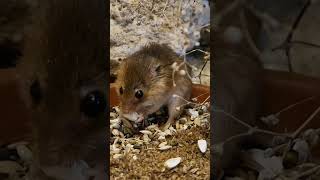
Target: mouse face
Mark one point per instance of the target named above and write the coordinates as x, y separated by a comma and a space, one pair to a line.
143, 85
63, 77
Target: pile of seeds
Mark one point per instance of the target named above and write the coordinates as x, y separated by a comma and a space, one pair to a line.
180, 151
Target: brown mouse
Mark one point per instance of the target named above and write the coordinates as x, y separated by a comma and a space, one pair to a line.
145, 83
63, 81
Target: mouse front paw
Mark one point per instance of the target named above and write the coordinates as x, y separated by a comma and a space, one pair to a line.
165, 126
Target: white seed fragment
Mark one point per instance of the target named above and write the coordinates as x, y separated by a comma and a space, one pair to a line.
173, 162
168, 132
177, 125
113, 121
132, 116
194, 170
172, 129
153, 126
117, 156
193, 113
146, 132
202, 144
163, 144
197, 121
162, 133
113, 115
183, 120
161, 137
115, 151
182, 72
134, 157
174, 65
115, 132
146, 138
165, 148
116, 108
115, 126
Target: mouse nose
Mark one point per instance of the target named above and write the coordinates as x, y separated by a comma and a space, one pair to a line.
126, 109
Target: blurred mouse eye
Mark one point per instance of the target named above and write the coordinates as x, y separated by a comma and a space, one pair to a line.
139, 94
35, 92
121, 90
93, 104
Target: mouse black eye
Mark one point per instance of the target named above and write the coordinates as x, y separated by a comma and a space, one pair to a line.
121, 90
35, 92
93, 104
139, 94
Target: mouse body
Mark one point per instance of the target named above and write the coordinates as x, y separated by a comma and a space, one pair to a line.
150, 78
63, 82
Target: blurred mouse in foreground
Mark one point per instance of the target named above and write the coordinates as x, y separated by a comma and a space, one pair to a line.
237, 76
63, 81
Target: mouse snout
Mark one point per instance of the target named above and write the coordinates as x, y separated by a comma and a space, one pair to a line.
127, 108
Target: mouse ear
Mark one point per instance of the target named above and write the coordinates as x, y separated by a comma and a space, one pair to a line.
155, 70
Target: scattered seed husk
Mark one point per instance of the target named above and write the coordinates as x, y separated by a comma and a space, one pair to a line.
202, 144
161, 138
197, 121
163, 144
117, 156
165, 147
134, 157
194, 170
183, 120
146, 132
115, 132
173, 162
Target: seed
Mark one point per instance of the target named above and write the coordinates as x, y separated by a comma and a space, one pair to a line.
165, 148
173, 162
202, 144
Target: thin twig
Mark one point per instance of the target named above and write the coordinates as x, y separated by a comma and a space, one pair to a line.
205, 100
251, 128
286, 44
204, 65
